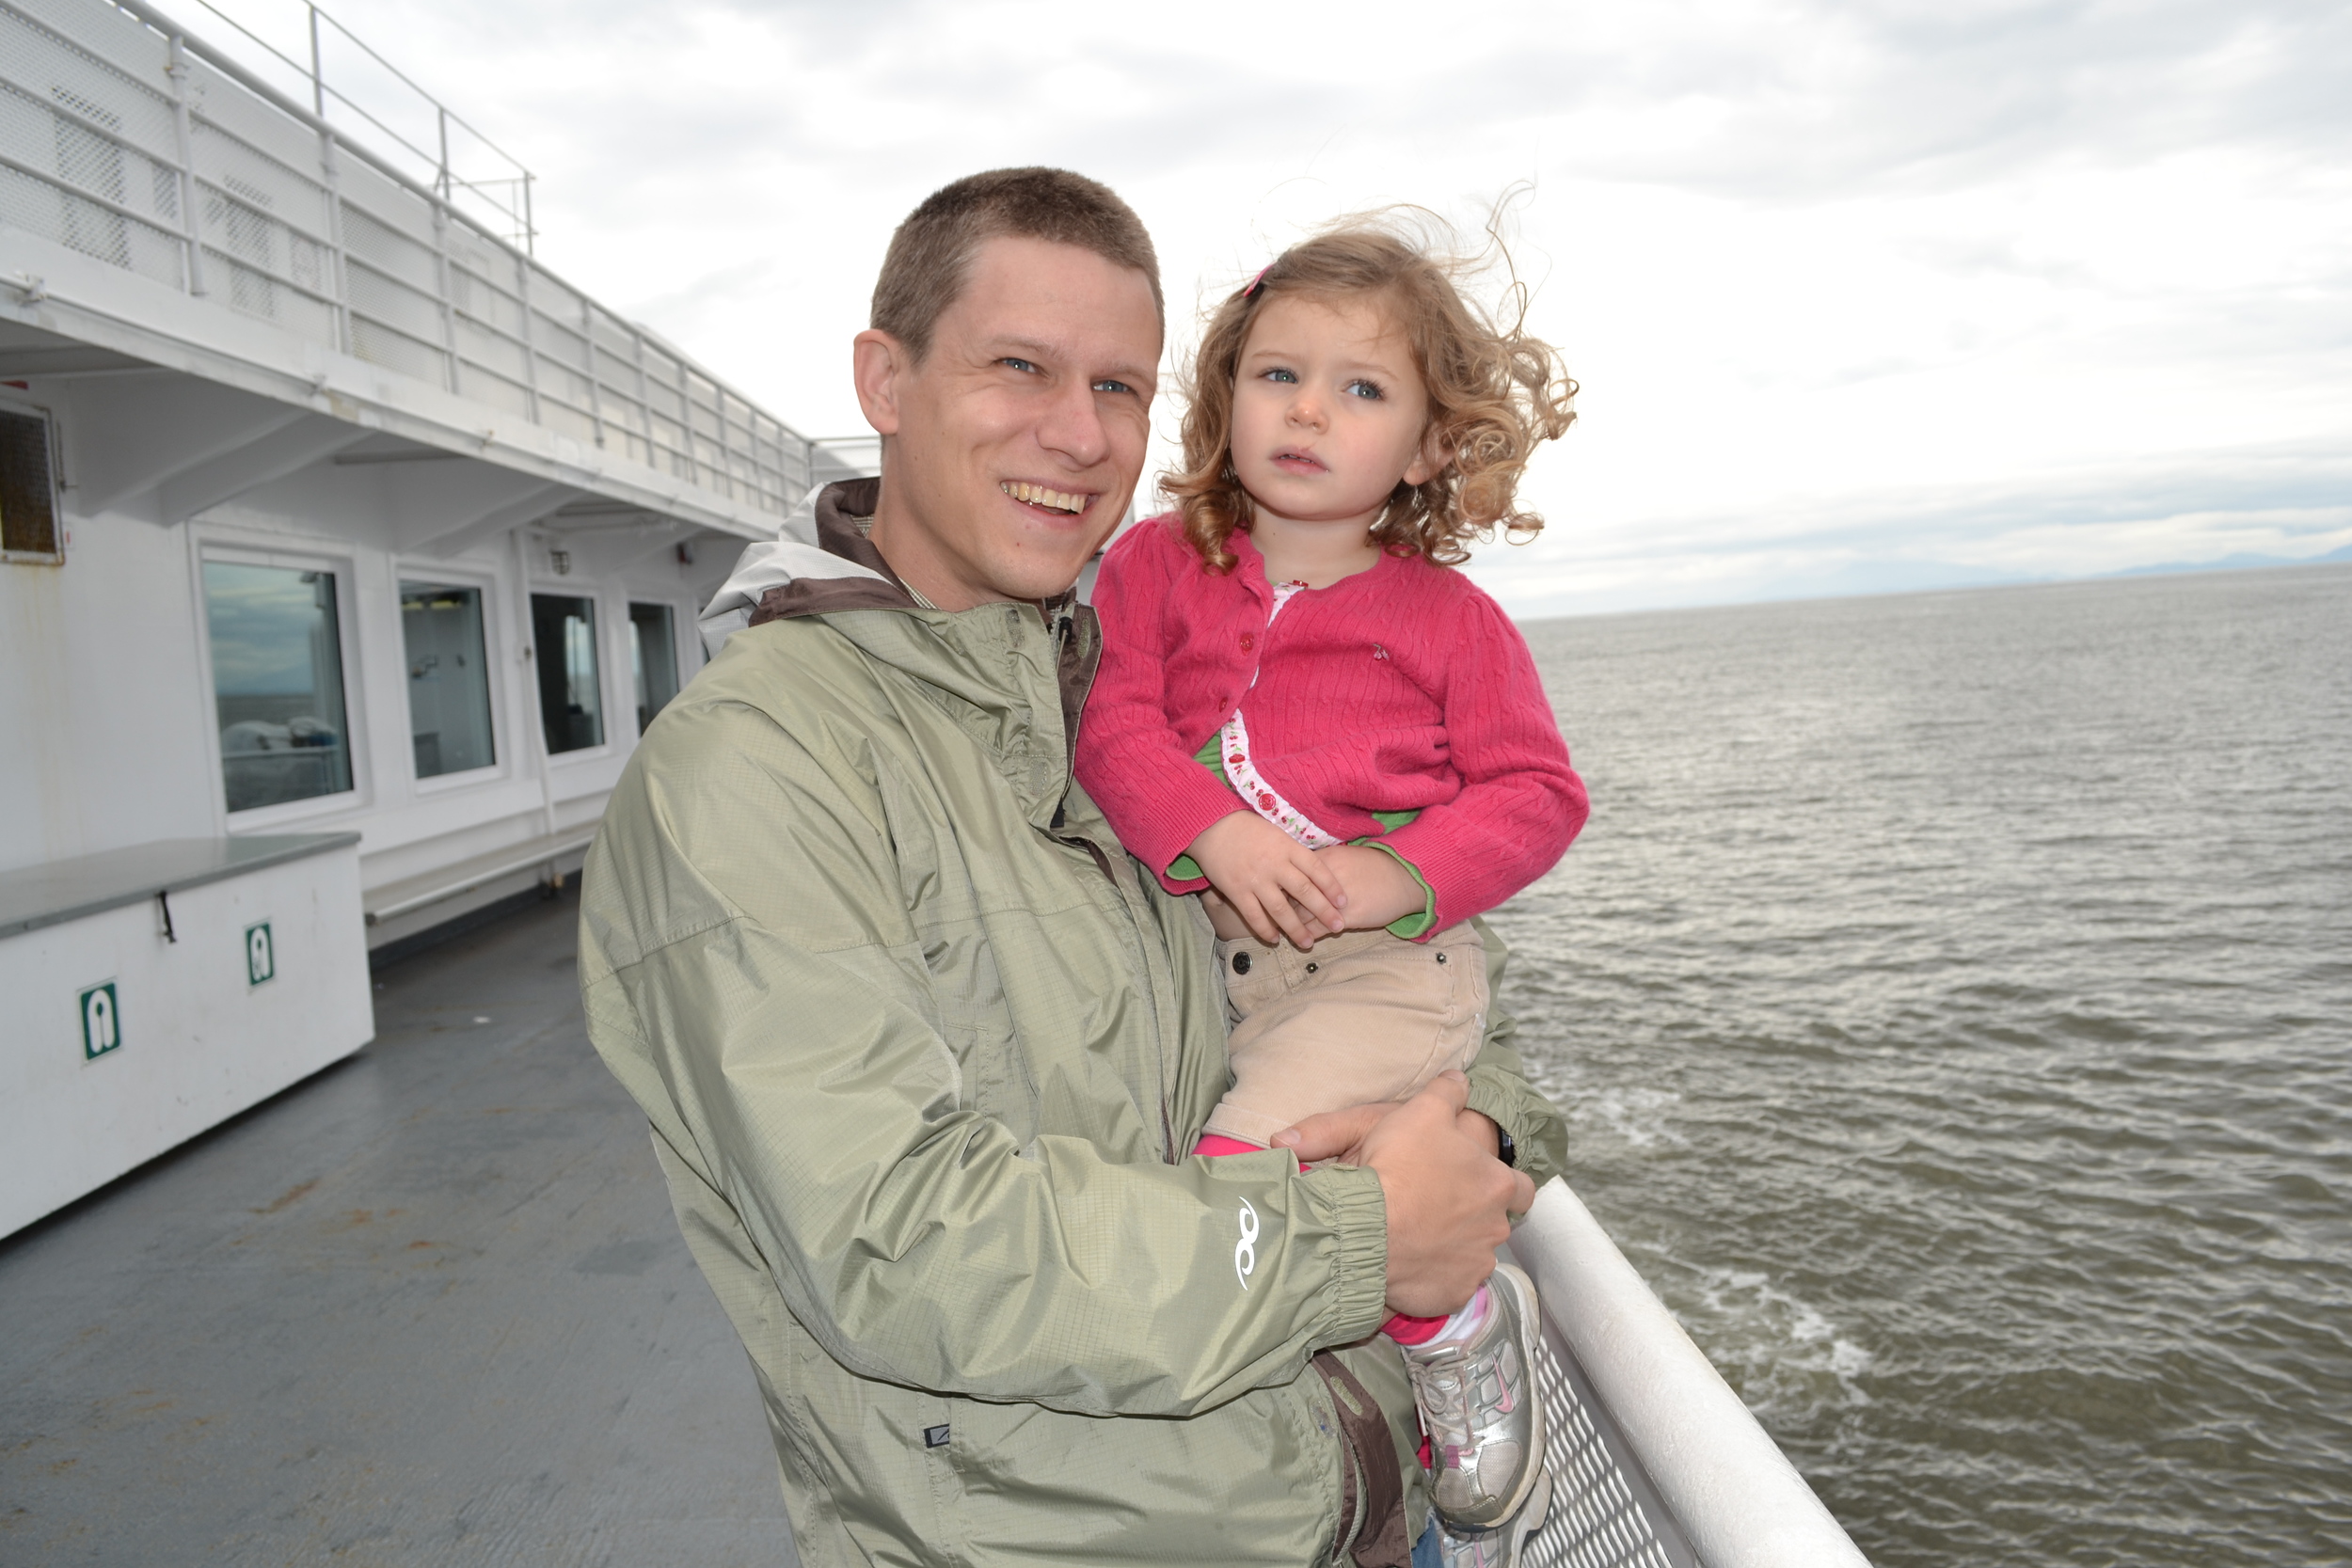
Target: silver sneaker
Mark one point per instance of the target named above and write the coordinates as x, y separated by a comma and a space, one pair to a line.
1481, 1410
1500, 1546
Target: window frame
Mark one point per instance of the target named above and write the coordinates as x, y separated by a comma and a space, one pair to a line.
494, 607
13, 400
682, 623
237, 548
600, 593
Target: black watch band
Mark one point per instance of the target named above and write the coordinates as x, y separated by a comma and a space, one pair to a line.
1506, 1152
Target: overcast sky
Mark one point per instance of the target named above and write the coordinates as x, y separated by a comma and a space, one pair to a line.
1862, 296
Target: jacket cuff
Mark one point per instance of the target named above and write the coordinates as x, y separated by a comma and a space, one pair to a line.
1535, 1126
1348, 1199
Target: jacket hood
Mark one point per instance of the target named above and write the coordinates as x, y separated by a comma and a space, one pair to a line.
1018, 673
819, 559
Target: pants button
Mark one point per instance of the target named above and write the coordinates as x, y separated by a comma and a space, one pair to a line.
1310, 969
1442, 957
1241, 963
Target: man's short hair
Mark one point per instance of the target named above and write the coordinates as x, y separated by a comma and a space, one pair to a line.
931, 255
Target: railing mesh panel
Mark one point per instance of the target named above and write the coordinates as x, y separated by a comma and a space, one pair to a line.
44, 209
1595, 1520
394, 350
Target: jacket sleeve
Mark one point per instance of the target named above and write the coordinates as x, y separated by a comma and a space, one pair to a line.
1500, 1089
1131, 760
752, 976
1521, 804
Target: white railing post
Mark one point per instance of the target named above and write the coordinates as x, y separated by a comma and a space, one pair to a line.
644, 393
340, 286
191, 216
318, 75
447, 288
596, 380
531, 354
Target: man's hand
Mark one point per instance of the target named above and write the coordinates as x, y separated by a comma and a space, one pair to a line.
1449, 1198
1340, 1134
1273, 882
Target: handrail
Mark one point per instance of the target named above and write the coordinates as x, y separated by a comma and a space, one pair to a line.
155, 17
1721, 1477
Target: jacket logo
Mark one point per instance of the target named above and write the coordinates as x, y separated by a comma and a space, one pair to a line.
1245, 1250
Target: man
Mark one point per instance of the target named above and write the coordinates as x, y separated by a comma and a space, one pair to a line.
922, 1050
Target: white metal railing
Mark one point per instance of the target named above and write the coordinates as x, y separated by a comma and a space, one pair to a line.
1655, 1461
507, 197
124, 138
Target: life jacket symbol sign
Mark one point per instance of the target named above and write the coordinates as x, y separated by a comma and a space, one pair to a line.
261, 954
101, 1021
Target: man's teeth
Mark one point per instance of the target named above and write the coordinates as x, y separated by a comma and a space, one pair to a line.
1037, 494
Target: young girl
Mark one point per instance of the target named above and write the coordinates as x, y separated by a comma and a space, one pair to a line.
1306, 715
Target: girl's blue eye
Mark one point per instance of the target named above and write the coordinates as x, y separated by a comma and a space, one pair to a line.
1290, 377
1365, 390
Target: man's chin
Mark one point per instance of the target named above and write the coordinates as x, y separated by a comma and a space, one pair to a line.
1045, 573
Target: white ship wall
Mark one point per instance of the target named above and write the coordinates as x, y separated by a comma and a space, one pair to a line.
109, 710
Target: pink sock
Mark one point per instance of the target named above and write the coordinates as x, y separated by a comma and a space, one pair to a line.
1216, 1144
1413, 1331
1419, 1331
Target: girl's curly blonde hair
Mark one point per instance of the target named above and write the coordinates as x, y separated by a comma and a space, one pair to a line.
1494, 391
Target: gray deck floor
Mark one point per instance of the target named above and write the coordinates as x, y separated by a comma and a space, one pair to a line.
428, 1307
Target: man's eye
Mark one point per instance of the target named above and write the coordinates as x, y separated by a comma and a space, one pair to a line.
1109, 386
1017, 363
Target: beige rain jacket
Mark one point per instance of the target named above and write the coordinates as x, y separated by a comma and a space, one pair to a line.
922, 1050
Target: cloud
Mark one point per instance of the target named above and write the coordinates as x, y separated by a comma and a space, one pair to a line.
2021, 286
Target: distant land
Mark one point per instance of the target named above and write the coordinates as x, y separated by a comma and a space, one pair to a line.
2234, 562
1866, 578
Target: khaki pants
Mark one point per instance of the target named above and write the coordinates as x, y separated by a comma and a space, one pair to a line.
1364, 1018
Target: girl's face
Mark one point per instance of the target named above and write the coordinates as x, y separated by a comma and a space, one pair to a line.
1328, 411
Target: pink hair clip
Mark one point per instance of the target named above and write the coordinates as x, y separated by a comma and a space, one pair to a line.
1257, 284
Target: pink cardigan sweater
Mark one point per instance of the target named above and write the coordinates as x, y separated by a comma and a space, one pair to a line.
1400, 689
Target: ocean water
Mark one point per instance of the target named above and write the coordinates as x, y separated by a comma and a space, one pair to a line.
1953, 997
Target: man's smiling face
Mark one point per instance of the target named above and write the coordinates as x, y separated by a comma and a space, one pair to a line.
1015, 443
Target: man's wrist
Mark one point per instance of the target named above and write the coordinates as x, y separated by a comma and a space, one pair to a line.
1489, 1131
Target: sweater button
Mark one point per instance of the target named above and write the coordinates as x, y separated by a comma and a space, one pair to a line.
1248, 641
1241, 963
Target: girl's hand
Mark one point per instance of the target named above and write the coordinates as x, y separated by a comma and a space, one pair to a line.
1279, 886
1379, 890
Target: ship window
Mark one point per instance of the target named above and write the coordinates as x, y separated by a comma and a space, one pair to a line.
653, 655
28, 500
448, 678
563, 638
278, 683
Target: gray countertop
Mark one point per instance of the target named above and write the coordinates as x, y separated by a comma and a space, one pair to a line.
49, 894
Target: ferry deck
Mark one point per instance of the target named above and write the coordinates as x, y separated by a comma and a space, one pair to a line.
427, 1306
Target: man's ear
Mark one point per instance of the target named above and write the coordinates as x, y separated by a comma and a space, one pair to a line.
879, 361
1428, 463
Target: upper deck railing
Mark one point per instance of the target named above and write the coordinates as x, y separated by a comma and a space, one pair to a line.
124, 138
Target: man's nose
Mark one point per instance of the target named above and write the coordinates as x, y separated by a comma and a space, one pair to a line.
1073, 426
